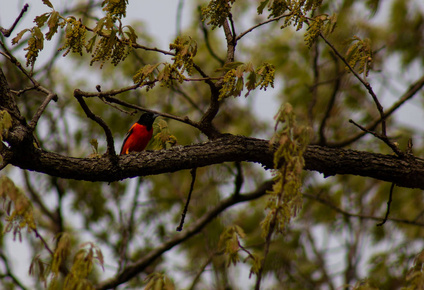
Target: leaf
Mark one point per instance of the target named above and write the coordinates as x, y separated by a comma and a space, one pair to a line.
131, 34
18, 37
53, 25
262, 6
41, 20
90, 44
230, 66
47, 2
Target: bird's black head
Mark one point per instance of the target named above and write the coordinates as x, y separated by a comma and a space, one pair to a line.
147, 120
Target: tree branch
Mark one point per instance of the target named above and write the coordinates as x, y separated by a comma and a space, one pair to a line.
409, 94
228, 148
361, 216
98, 120
7, 32
364, 82
137, 267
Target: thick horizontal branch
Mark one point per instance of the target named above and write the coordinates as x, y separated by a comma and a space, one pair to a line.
229, 148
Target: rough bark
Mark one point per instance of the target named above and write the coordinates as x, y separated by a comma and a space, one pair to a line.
230, 148
407, 172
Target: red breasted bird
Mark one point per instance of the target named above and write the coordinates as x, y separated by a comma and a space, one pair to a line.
139, 135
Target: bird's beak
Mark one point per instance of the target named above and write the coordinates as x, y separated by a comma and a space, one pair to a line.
155, 115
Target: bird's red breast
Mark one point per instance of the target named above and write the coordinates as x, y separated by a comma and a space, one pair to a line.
136, 139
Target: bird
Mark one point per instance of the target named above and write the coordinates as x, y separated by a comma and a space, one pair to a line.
139, 135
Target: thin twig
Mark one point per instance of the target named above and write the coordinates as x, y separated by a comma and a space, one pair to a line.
233, 30
109, 138
331, 102
361, 216
50, 95
128, 227
9, 272
138, 266
388, 206
7, 32
383, 138
33, 123
187, 98
410, 93
364, 82
200, 271
193, 179
36, 197
46, 246
260, 24
107, 95
321, 260
238, 181
314, 88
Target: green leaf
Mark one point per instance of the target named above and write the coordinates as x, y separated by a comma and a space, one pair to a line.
90, 44
131, 33
230, 66
262, 6
47, 2
18, 37
41, 20
53, 25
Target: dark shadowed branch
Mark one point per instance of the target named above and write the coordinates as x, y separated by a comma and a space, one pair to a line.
137, 267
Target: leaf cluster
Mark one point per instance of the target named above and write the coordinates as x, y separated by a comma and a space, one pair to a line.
163, 138
111, 40
233, 79
116, 8
217, 11
230, 245
285, 199
5, 125
296, 10
185, 50
360, 55
159, 281
319, 24
22, 215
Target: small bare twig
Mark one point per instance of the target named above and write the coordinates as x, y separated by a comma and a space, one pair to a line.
360, 216
9, 272
200, 272
46, 246
33, 123
260, 24
410, 93
331, 102
193, 179
383, 138
107, 96
128, 227
388, 206
8, 32
314, 88
36, 197
363, 81
233, 30
135, 45
144, 261
109, 138
238, 181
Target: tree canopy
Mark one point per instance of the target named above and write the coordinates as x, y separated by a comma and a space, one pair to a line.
287, 151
